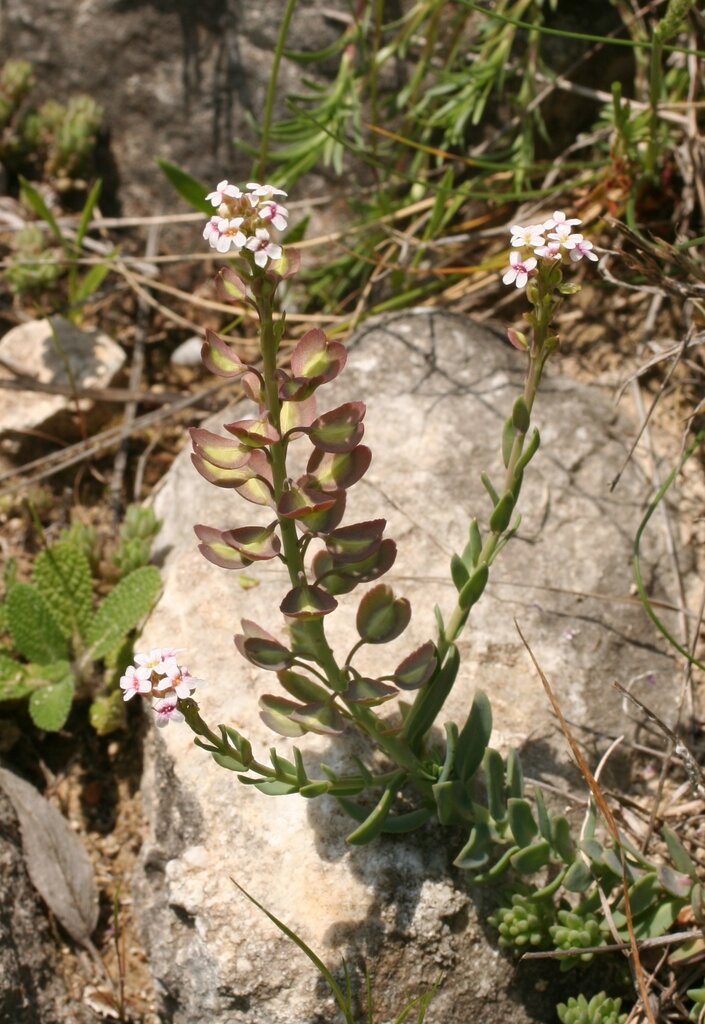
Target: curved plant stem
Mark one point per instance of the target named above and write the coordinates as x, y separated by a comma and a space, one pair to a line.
272, 88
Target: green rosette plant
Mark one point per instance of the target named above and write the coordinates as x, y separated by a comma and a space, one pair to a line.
63, 645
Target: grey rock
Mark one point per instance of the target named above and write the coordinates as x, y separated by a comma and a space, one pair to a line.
45, 350
190, 75
188, 353
31, 990
438, 389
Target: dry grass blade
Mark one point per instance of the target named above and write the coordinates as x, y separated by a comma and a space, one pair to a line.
609, 820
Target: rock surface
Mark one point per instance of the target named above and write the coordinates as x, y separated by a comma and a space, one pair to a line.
31, 991
438, 389
176, 79
45, 352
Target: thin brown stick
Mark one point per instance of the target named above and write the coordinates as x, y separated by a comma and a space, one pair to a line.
672, 939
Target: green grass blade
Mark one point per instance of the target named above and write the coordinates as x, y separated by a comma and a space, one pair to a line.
343, 1003
37, 204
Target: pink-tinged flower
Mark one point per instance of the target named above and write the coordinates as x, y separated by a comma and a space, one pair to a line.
180, 680
167, 710
223, 191
135, 680
264, 191
275, 214
550, 251
559, 217
519, 270
263, 248
580, 247
563, 234
211, 232
530, 236
159, 660
229, 234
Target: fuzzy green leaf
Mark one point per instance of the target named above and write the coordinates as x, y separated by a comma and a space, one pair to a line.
14, 684
50, 705
123, 610
34, 630
62, 575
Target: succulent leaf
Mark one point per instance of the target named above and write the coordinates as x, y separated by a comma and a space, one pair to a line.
339, 430
256, 543
474, 737
417, 668
333, 470
356, 543
368, 692
223, 452
276, 713
253, 433
316, 359
522, 821
301, 687
381, 617
307, 602
216, 549
220, 358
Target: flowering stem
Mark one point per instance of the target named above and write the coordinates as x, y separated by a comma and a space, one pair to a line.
538, 353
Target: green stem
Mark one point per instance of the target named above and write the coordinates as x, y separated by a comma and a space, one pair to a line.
272, 88
538, 355
315, 630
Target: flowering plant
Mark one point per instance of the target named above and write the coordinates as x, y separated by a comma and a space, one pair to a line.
303, 526
555, 884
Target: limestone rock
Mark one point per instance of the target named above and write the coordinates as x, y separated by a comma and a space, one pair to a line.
43, 350
438, 389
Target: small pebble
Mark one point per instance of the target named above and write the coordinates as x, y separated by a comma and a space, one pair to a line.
188, 353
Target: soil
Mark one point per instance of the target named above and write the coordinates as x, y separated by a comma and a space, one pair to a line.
95, 781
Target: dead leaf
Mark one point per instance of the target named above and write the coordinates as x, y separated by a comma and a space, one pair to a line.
56, 860
102, 1002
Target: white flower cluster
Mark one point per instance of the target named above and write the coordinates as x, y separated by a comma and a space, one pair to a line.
244, 220
159, 676
548, 241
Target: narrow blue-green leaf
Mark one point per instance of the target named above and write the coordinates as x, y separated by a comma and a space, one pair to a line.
374, 823
188, 187
37, 204
87, 212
